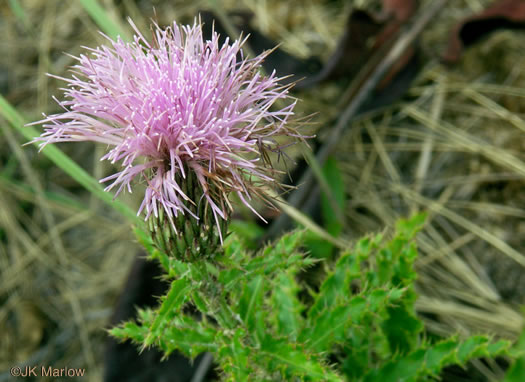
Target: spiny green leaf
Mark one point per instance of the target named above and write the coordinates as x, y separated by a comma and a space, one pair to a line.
296, 362
130, 330
169, 307
251, 301
201, 302
230, 277
395, 263
469, 346
516, 372
409, 227
234, 248
188, 336
272, 261
440, 354
480, 346
329, 325
283, 248
287, 306
234, 356
401, 328
335, 287
283, 254
367, 245
428, 362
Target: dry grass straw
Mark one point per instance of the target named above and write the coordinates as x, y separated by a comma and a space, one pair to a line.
63, 256
454, 147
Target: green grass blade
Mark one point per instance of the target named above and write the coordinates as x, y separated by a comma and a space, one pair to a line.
65, 163
10, 113
102, 19
26, 192
18, 11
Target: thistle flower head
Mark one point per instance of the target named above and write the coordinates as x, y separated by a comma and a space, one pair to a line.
173, 107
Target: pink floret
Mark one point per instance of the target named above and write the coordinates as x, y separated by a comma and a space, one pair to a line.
176, 104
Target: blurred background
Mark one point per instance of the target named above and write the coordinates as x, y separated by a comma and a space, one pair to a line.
442, 131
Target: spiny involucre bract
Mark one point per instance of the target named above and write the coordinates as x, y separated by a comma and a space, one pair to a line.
175, 105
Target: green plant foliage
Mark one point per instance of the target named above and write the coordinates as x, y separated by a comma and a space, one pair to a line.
428, 361
262, 321
103, 20
516, 372
247, 232
333, 205
331, 208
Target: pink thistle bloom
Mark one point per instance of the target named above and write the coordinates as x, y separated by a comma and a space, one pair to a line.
176, 105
